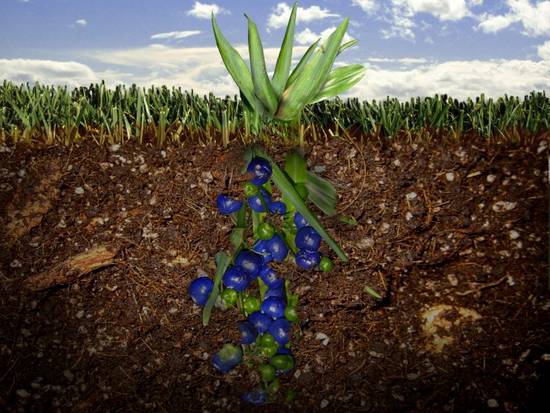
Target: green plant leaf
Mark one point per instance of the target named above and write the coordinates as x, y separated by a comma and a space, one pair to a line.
312, 77
287, 189
222, 262
282, 67
372, 292
296, 167
301, 64
322, 193
237, 68
262, 86
347, 45
340, 80
347, 219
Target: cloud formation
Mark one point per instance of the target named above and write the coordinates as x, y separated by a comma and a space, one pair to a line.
281, 14
205, 10
533, 17
175, 35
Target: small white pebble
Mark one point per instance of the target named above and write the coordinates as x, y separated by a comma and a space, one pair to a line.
513, 234
492, 403
114, 147
323, 338
163, 154
80, 314
411, 195
491, 178
16, 264
79, 190
452, 279
365, 243
502, 206
408, 216
324, 403
449, 176
396, 162
23, 393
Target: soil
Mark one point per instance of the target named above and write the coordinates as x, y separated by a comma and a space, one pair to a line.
452, 235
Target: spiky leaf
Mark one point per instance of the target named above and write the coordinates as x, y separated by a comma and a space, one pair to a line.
322, 193
340, 80
237, 68
301, 64
262, 85
296, 167
282, 67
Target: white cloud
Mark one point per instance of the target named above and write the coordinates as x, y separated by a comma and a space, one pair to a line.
307, 37
81, 22
175, 35
281, 14
202, 70
46, 71
204, 10
493, 24
544, 50
442, 9
458, 79
368, 6
535, 18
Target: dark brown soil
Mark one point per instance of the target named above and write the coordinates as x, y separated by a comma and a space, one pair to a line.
455, 233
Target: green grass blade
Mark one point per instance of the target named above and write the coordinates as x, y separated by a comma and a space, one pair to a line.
340, 80
282, 67
262, 85
287, 189
322, 193
236, 67
222, 262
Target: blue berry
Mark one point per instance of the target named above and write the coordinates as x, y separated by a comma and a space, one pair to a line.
277, 248
236, 278
277, 207
307, 259
257, 396
308, 239
299, 220
280, 330
261, 322
269, 276
255, 202
261, 169
227, 205
227, 358
274, 307
248, 332
250, 262
200, 289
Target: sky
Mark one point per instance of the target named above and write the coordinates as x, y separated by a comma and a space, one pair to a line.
410, 48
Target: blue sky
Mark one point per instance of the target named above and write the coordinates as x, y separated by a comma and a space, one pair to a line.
410, 47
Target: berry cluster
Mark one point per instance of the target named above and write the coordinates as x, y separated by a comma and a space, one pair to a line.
254, 286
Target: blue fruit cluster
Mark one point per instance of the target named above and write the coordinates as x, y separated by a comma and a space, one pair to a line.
268, 320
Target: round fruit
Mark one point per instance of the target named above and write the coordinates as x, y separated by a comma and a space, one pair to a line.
261, 169
257, 396
267, 372
260, 321
250, 262
255, 202
274, 307
282, 362
299, 220
277, 248
227, 358
267, 340
291, 314
266, 231
199, 289
277, 207
277, 291
269, 277
227, 205
307, 259
251, 305
326, 264
308, 239
229, 296
236, 278
280, 330
248, 332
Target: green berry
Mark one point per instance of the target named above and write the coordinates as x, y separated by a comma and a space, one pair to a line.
229, 296
326, 264
267, 340
250, 189
274, 386
266, 231
282, 362
269, 351
291, 314
267, 372
251, 304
